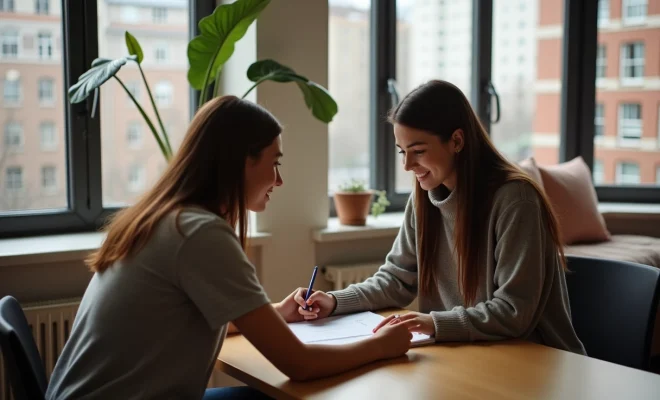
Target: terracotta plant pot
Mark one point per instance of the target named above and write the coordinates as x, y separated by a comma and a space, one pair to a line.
352, 208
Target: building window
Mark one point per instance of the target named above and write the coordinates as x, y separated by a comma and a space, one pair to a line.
161, 53
46, 92
603, 12
48, 179
136, 178
598, 172
45, 41
601, 61
48, 139
134, 135
632, 62
41, 7
634, 11
163, 93
14, 178
12, 91
7, 5
627, 173
13, 136
599, 120
159, 15
129, 14
630, 122
10, 44
657, 175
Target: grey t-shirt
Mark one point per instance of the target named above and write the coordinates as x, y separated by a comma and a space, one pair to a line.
151, 326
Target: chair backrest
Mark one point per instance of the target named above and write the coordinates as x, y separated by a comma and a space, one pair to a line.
27, 375
613, 308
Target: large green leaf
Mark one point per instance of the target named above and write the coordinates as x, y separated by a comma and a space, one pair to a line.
134, 47
219, 32
317, 98
102, 69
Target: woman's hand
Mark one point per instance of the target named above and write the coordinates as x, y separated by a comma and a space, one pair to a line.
320, 304
393, 340
288, 308
414, 321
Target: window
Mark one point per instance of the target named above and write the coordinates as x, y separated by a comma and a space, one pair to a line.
601, 62
14, 179
603, 12
163, 94
129, 14
136, 178
161, 53
48, 136
632, 63
599, 120
657, 175
630, 122
13, 137
7, 5
12, 91
634, 11
45, 45
598, 172
41, 7
48, 179
9, 44
159, 15
348, 137
134, 135
627, 173
46, 92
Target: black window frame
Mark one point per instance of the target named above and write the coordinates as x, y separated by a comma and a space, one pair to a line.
578, 93
82, 138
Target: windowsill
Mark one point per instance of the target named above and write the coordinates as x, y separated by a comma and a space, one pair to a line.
68, 247
387, 225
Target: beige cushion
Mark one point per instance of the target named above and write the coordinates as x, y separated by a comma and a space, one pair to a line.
640, 249
570, 190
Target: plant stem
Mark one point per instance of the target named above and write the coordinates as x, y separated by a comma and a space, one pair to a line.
147, 120
254, 86
205, 84
153, 104
216, 86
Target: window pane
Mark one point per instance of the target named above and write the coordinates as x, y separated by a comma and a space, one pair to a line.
32, 107
434, 41
628, 96
527, 75
130, 156
348, 69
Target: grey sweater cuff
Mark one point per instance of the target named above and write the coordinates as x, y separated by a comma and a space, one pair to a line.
347, 301
450, 326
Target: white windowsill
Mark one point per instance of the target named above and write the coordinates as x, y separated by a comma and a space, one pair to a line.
387, 225
68, 247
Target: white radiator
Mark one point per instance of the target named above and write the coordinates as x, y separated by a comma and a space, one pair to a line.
343, 275
51, 324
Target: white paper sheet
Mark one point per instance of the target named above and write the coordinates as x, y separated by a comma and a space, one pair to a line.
345, 329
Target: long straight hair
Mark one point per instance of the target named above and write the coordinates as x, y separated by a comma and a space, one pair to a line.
207, 171
440, 108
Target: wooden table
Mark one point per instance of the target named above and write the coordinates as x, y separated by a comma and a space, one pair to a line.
496, 370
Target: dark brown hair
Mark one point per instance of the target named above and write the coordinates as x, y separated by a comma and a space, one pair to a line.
440, 108
207, 171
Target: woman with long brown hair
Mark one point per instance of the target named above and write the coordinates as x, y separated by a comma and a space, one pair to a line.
479, 244
172, 275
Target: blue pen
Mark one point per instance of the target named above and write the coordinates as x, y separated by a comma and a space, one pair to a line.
311, 285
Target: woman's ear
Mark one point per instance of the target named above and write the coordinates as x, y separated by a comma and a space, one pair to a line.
457, 139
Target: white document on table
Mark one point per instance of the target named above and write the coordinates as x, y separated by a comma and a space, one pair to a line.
345, 329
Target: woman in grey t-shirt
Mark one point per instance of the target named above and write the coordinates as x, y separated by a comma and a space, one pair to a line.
172, 275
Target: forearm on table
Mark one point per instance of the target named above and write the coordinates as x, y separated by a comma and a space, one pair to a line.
332, 359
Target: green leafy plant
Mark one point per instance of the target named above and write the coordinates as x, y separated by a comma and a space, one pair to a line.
207, 54
356, 186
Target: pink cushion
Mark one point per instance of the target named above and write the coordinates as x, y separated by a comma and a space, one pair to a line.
571, 192
529, 166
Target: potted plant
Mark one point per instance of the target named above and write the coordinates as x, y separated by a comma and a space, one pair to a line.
352, 202
207, 53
